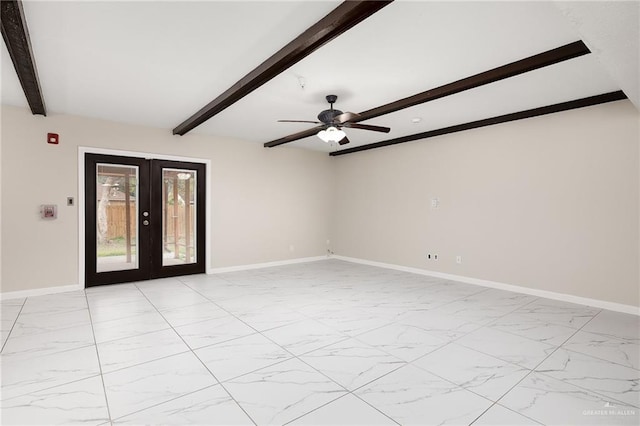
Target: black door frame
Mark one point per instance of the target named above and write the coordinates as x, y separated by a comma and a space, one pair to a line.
149, 259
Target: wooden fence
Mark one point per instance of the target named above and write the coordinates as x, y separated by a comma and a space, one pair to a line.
116, 221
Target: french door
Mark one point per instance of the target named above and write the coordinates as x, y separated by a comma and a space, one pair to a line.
143, 219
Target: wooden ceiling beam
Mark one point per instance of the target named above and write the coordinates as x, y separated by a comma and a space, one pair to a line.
541, 60
341, 19
16, 38
550, 109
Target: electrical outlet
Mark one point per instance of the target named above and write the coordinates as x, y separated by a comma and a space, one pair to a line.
435, 256
429, 256
459, 260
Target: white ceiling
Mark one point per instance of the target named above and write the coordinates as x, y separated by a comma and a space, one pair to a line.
156, 63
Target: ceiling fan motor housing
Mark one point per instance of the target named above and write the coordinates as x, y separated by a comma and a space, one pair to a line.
328, 115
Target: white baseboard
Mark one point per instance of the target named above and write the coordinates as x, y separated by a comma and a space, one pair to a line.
602, 304
265, 265
39, 291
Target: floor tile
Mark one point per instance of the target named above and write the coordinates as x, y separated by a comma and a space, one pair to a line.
534, 329
352, 363
210, 406
122, 353
81, 402
312, 307
304, 336
52, 303
4, 335
30, 324
161, 283
142, 386
33, 345
502, 298
250, 302
474, 371
217, 330
473, 311
282, 392
113, 294
507, 347
413, 396
406, 342
8, 316
128, 327
615, 324
557, 312
441, 325
266, 319
164, 300
218, 291
240, 356
185, 315
623, 352
597, 375
289, 342
450, 290
500, 416
119, 309
551, 401
22, 375
12, 302
352, 322
347, 410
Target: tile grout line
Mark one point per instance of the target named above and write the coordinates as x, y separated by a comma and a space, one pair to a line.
497, 402
197, 357
294, 356
270, 278
104, 388
588, 356
392, 371
480, 326
13, 324
334, 400
56, 353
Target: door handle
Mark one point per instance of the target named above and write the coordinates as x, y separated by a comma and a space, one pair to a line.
145, 222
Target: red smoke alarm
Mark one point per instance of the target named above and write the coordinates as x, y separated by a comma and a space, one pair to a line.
52, 138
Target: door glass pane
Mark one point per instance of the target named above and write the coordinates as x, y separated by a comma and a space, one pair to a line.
178, 217
116, 217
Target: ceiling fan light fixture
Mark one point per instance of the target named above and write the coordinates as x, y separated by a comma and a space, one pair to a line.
332, 134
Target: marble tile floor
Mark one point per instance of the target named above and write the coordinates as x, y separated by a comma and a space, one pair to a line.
319, 343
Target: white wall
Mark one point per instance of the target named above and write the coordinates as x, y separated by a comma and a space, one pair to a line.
263, 200
550, 203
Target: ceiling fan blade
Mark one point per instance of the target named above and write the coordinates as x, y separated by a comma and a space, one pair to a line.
344, 141
367, 127
346, 116
294, 137
298, 121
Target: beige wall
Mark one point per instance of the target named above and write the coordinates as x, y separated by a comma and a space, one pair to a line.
263, 201
549, 203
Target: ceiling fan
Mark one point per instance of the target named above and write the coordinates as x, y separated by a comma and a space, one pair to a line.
333, 120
